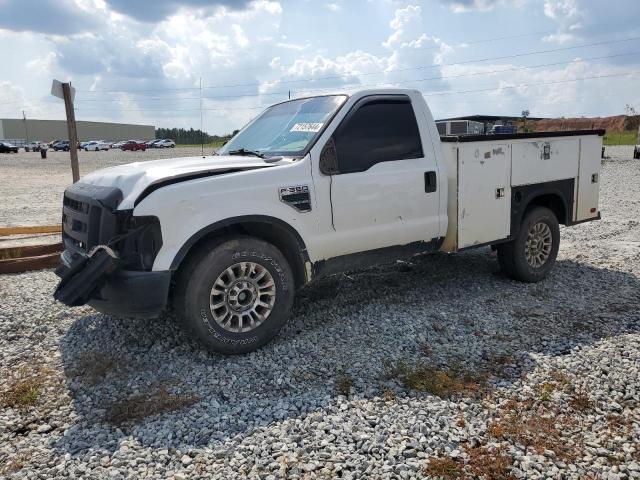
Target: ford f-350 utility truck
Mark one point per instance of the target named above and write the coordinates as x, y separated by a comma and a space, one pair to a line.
312, 187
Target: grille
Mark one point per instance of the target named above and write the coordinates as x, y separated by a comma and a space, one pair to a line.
76, 205
88, 217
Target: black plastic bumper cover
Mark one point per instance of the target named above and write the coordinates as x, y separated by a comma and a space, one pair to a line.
122, 293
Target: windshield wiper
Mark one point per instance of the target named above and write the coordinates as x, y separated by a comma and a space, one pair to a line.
244, 151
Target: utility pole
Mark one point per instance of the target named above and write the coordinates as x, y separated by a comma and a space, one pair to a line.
201, 126
71, 129
26, 127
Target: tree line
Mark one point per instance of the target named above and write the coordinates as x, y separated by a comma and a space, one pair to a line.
191, 136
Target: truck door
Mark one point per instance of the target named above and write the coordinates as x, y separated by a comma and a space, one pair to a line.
384, 190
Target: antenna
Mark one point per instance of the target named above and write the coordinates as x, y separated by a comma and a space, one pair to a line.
201, 126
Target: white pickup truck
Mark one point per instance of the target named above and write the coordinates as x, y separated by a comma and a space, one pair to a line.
312, 187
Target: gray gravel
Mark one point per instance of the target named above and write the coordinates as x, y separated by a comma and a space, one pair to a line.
548, 374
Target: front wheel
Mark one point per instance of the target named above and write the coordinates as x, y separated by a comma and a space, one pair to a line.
234, 294
532, 254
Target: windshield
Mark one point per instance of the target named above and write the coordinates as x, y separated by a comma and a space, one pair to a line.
287, 128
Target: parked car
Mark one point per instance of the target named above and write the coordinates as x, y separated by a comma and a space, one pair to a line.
33, 146
636, 152
61, 145
6, 147
152, 143
117, 144
353, 181
84, 144
134, 145
165, 143
96, 145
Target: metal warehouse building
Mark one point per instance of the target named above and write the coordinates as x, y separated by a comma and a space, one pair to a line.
48, 130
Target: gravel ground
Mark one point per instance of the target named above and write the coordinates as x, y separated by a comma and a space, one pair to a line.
38, 201
440, 367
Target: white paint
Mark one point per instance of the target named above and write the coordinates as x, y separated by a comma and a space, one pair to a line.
483, 168
590, 164
357, 212
529, 165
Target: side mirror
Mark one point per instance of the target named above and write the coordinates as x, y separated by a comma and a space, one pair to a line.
329, 159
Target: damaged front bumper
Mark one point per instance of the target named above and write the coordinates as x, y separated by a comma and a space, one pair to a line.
108, 257
97, 281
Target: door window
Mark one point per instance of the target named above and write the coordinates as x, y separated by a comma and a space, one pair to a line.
380, 130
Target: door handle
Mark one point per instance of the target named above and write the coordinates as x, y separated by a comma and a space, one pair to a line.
430, 182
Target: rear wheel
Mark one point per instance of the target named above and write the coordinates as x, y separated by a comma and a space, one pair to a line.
532, 254
234, 294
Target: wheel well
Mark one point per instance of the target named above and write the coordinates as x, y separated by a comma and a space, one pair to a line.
279, 236
553, 202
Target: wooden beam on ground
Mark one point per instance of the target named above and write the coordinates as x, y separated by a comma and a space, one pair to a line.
6, 231
19, 265
29, 251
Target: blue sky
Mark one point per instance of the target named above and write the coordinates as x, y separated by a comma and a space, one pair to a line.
143, 61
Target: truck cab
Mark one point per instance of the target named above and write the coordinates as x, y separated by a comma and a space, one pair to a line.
311, 187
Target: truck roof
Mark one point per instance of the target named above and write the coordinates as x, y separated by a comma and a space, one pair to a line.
515, 136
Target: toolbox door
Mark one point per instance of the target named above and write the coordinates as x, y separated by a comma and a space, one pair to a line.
484, 193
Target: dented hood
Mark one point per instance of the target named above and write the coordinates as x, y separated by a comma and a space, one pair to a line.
135, 178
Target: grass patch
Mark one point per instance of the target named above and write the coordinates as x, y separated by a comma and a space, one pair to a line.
534, 427
93, 366
621, 138
493, 463
24, 390
482, 462
545, 391
444, 467
388, 395
436, 381
344, 384
580, 401
139, 407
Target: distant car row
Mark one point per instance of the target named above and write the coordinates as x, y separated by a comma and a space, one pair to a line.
92, 146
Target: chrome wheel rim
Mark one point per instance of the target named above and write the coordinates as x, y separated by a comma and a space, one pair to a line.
242, 297
537, 249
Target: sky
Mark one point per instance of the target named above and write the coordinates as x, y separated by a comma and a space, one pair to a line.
218, 63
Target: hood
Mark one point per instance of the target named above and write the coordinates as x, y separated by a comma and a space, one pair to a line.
133, 179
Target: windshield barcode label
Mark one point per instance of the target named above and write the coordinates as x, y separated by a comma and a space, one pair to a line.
307, 127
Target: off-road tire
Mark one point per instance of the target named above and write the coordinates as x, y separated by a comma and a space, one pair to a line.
512, 257
193, 292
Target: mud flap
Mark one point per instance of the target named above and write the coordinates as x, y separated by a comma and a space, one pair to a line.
84, 276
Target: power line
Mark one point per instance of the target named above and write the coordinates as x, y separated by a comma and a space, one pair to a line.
460, 45
391, 82
536, 84
461, 92
466, 62
256, 67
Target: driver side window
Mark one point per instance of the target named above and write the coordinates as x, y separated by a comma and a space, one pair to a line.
380, 130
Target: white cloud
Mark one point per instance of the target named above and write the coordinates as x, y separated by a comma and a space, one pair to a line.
463, 6
334, 7
561, 9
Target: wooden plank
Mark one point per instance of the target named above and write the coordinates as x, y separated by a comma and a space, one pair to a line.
5, 231
30, 251
18, 265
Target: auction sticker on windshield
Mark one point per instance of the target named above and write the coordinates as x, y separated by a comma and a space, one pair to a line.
307, 127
